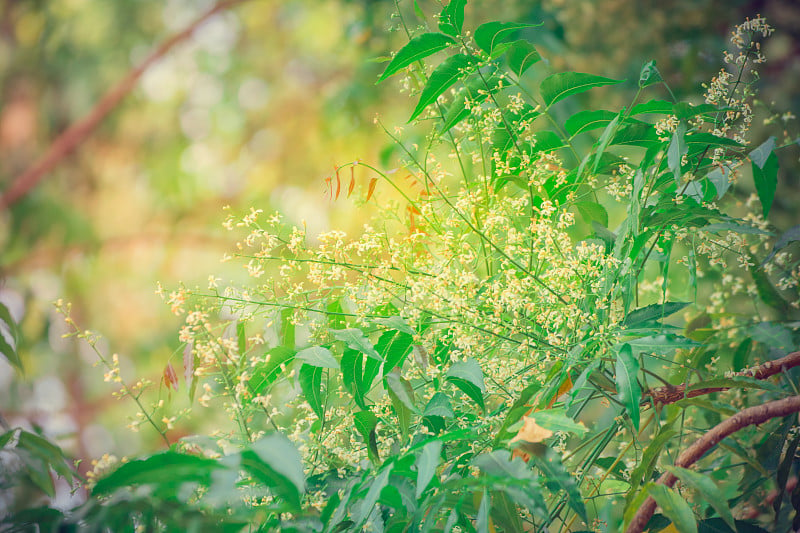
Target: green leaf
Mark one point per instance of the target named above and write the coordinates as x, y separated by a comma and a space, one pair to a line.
644, 470
367, 505
649, 75
394, 347
402, 389
637, 134
677, 149
468, 377
661, 107
482, 519
275, 461
352, 366
766, 180
439, 405
395, 323
653, 312
766, 291
593, 211
477, 88
10, 353
442, 78
264, 374
48, 452
661, 344
549, 462
365, 423
557, 420
427, 462
558, 86
417, 48
310, 378
451, 19
674, 507
355, 339
317, 356
707, 489
630, 393
588, 120
760, 155
168, 468
5, 316
521, 56
787, 237
491, 34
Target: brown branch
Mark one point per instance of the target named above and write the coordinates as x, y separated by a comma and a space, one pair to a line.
752, 415
79, 131
672, 394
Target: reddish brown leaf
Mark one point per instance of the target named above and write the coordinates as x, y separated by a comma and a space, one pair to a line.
372, 183
338, 184
188, 363
352, 181
170, 377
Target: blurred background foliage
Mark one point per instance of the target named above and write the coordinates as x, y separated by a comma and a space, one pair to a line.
254, 109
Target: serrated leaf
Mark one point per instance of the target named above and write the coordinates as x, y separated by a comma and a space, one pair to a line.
482, 518
275, 462
317, 356
394, 347
558, 420
677, 149
161, 469
442, 78
549, 462
708, 490
355, 339
653, 312
427, 462
760, 155
642, 472
477, 88
630, 393
402, 389
395, 323
367, 505
766, 181
310, 378
10, 353
593, 211
352, 366
468, 377
661, 107
649, 75
661, 344
558, 86
674, 507
5, 316
365, 424
451, 19
588, 120
489, 35
264, 374
439, 405
637, 134
787, 237
522, 55
417, 48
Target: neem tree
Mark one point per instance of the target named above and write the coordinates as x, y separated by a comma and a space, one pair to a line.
551, 321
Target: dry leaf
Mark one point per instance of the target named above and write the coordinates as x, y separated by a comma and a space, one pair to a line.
532, 432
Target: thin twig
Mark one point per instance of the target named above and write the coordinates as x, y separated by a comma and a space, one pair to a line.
73, 136
748, 417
